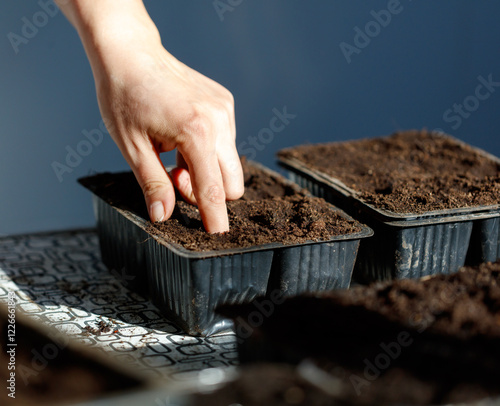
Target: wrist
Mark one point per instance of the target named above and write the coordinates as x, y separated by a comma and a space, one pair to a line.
111, 31
112, 49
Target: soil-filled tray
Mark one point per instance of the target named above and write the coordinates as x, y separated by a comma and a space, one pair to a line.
434, 340
42, 366
423, 193
282, 241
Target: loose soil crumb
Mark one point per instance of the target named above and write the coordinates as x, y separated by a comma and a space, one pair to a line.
101, 327
407, 172
431, 341
270, 211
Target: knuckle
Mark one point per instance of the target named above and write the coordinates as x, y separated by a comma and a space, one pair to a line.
222, 114
197, 122
228, 99
215, 195
153, 187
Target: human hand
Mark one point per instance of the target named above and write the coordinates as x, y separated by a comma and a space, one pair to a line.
153, 103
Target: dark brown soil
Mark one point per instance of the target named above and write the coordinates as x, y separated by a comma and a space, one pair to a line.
48, 372
270, 211
408, 172
465, 304
407, 341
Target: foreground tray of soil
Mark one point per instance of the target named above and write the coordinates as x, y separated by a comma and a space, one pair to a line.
42, 366
423, 193
268, 384
282, 241
430, 341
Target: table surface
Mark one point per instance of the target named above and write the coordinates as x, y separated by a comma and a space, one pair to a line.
58, 279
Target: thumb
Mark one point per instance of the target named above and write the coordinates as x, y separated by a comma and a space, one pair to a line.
155, 184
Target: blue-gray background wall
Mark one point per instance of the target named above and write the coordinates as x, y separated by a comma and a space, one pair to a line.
270, 55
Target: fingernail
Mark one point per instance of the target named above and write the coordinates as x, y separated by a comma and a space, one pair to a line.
157, 211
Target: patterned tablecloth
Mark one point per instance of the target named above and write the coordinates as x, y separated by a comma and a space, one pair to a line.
58, 279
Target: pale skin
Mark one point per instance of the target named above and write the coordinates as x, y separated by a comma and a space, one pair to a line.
153, 103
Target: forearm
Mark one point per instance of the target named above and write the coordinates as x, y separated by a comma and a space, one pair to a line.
105, 26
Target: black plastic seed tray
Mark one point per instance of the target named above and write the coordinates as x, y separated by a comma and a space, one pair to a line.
409, 245
189, 285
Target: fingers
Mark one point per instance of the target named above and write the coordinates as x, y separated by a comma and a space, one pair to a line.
209, 169
182, 181
231, 171
229, 161
232, 175
154, 181
207, 187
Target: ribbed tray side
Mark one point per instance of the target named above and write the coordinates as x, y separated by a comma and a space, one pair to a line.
313, 268
412, 252
122, 245
431, 250
189, 290
170, 283
376, 256
485, 241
